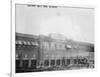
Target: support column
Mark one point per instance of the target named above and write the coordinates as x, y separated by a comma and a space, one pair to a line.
60, 62
49, 63
65, 61
29, 65
21, 63
55, 62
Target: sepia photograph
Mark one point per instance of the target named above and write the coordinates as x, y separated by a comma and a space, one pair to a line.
53, 38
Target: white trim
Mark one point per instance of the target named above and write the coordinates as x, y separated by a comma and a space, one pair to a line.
57, 3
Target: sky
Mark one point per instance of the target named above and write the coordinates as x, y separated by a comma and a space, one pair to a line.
74, 23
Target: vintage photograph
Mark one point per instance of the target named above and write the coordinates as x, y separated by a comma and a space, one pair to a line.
53, 38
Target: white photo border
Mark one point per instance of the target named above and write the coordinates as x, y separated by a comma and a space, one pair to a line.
13, 26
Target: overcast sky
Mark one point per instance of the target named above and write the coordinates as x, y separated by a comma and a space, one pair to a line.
75, 23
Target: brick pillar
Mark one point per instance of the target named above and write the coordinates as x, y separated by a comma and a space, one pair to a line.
65, 61
21, 63
29, 64
55, 62
60, 62
49, 63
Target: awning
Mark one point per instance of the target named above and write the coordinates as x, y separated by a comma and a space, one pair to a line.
34, 43
19, 42
69, 46
24, 42
28, 43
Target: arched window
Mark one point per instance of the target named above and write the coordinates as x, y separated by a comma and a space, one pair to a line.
25, 63
68, 61
58, 61
17, 64
63, 61
52, 62
33, 63
46, 63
